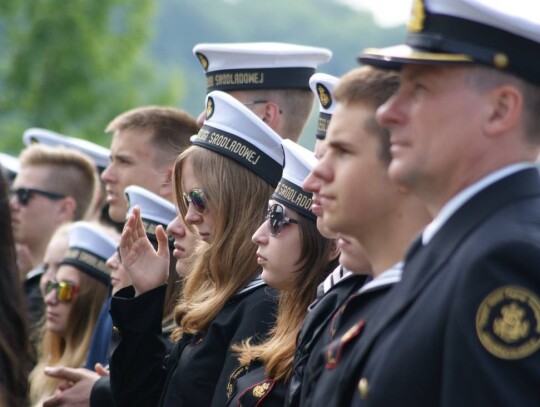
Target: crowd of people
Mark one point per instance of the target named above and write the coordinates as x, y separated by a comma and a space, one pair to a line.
214, 261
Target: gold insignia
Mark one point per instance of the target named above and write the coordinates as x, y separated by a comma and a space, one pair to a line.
363, 388
324, 96
418, 15
232, 378
260, 390
34, 140
203, 60
508, 322
209, 108
500, 60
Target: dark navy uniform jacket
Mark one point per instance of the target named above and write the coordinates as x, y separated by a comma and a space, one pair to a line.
345, 328
315, 333
250, 387
463, 326
196, 371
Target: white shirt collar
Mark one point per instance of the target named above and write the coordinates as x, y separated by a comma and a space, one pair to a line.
390, 276
459, 200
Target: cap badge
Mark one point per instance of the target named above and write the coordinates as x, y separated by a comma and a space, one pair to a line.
203, 60
500, 60
418, 15
34, 140
324, 96
209, 108
508, 322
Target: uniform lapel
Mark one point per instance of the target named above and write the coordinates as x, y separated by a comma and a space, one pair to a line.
423, 263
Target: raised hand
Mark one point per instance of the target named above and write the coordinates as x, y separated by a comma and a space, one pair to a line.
146, 267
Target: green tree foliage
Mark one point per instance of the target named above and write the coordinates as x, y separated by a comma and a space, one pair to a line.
70, 66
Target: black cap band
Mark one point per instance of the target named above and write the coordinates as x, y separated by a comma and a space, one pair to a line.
483, 43
322, 125
150, 230
294, 197
262, 78
88, 263
241, 151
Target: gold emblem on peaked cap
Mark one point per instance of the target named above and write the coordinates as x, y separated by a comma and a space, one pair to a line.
209, 108
508, 322
128, 201
324, 96
203, 60
34, 140
418, 15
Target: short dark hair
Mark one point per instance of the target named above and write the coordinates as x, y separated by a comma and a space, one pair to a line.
369, 87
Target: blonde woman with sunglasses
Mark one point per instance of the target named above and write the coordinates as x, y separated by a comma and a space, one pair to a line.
222, 185
73, 298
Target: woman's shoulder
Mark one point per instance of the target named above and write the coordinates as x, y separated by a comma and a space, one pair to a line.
250, 386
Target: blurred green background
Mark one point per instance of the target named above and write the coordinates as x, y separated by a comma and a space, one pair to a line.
71, 66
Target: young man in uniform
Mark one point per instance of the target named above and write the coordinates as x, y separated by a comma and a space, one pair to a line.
272, 79
462, 327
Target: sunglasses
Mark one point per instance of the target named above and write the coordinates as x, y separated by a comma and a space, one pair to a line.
65, 290
195, 197
24, 194
276, 219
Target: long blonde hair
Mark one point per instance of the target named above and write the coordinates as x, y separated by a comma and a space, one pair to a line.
69, 350
238, 198
316, 260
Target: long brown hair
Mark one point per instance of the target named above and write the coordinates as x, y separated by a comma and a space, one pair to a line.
14, 346
223, 267
316, 260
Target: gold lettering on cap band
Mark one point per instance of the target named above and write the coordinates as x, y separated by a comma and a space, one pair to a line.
241, 151
264, 78
322, 124
88, 259
295, 197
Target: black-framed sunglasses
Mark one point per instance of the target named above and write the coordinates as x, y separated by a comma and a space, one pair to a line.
276, 219
195, 197
65, 290
24, 194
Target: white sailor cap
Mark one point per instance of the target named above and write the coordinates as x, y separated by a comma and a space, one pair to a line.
232, 130
323, 86
10, 164
99, 154
89, 248
259, 65
501, 34
299, 162
155, 210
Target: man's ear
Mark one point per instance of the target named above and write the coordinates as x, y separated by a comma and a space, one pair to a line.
505, 110
166, 189
272, 113
66, 209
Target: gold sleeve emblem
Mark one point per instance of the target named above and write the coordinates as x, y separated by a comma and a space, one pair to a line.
261, 389
239, 371
508, 322
418, 15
